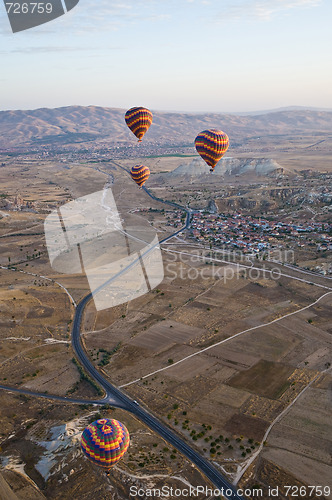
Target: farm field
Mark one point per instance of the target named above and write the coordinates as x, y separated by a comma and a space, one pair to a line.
239, 387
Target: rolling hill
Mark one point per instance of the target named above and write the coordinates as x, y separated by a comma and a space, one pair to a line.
78, 124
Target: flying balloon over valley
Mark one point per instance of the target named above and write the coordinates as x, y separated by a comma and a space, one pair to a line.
140, 174
211, 145
105, 442
139, 121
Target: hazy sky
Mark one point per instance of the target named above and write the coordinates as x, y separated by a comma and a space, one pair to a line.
186, 55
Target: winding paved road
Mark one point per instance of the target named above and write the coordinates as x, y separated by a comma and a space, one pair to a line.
114, 396
118, 398
45, 395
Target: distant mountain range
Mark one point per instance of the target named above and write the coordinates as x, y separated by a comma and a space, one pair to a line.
81, 125
277, 110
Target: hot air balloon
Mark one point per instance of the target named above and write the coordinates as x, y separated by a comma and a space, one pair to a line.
140, 174
212, 145
104, 442
139, 121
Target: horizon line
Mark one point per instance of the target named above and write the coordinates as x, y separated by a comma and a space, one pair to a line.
251, 112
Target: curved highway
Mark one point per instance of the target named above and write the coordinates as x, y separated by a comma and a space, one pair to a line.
116, 397
121, 400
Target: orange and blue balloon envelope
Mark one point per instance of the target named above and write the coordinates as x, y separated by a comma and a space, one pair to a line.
139, 121
140, 174
104, 442
212, 144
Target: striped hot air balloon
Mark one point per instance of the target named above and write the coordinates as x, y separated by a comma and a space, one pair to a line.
104, 442
139, 121
212, 145
140, 174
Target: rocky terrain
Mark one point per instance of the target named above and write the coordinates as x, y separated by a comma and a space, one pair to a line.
230, 167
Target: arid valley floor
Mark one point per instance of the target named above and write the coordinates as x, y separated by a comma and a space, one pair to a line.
232, 350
